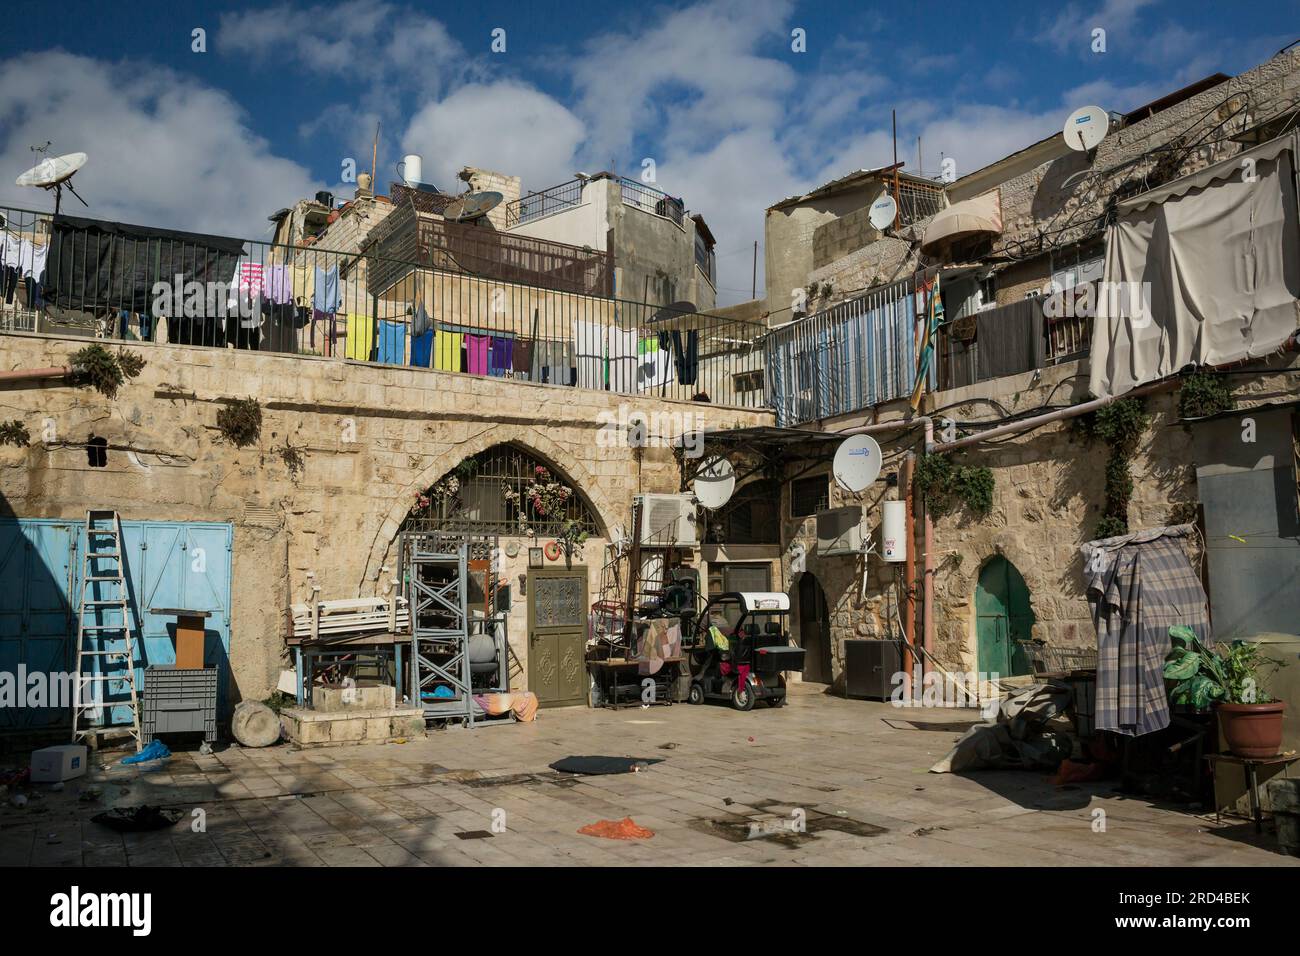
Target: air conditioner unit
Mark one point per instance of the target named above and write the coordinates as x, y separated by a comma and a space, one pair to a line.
667, 520
839, 531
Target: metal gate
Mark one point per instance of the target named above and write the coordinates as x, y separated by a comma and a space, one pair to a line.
167, 564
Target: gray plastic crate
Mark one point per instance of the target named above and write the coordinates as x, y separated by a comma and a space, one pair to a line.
179, 701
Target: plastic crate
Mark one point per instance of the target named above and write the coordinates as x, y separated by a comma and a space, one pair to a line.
178, 701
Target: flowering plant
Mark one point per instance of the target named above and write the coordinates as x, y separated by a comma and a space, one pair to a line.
546, 500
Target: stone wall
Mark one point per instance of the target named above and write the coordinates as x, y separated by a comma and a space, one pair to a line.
371, 436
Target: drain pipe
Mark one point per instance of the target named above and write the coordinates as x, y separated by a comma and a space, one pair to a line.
35, 374
927, 572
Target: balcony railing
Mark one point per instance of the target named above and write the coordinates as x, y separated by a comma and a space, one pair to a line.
539, 204
110, 281
651, 200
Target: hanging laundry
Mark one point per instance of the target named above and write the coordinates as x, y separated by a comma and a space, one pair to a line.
248, 277
500, 354
622, 352
688, 356
277, 281
448, 347
654, 366
392, 342
420, 322
476, 353
360, 335
523, 357
589, 340
422, 349
327, 297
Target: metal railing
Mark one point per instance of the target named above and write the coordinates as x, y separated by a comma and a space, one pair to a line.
539, 204
127, 283
852, 356
652, 200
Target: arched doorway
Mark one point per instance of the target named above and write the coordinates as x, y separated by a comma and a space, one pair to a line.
814, 630
1003, 619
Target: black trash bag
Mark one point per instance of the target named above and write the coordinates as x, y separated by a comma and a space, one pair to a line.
137, 819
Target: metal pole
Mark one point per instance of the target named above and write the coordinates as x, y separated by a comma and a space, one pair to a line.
753, 289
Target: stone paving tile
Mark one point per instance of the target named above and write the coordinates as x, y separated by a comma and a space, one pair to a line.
403, 805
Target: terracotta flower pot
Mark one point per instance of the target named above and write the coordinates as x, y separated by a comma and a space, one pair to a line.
1252, 730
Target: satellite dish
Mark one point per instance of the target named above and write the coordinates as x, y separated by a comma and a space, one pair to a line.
471, 206
857, 462
673, 311
1086, 127
883, 212
54, 172
714, 483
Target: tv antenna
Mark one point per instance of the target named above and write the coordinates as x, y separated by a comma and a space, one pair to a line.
53, 173
883, 212
857, 463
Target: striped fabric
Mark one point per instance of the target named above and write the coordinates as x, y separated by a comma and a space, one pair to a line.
1139, 586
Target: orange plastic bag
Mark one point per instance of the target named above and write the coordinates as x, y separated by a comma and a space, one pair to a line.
624, 829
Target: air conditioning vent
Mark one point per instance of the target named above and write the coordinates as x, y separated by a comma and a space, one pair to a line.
667, 520
839, 531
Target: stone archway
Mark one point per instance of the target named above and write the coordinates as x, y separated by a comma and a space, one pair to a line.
529, 439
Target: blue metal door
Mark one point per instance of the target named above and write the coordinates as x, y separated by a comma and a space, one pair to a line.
167, 564
36, 581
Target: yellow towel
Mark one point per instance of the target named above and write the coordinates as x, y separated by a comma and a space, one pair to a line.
446, 350
361, 337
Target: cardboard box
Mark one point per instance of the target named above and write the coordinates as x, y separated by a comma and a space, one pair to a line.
56, 764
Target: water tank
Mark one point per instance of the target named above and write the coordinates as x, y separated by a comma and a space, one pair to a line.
325, 198
411, 169
893, 531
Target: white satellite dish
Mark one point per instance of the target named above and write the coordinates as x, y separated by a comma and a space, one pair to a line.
857, 462
54, 172
714, 483
883, 212
1086, 127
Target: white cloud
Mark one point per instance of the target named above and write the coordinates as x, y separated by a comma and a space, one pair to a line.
504, 126
164, 150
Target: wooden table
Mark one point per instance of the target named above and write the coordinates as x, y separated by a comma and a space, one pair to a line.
1251, 765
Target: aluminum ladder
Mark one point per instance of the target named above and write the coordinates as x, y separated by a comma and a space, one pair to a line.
103, 592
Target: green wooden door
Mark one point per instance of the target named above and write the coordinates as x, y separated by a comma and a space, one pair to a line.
557, 636
1004, 619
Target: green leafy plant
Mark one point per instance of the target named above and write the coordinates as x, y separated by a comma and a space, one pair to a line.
546, 500
1202, 394
942, 484
240, 421
15, 433
103, 371
1120, 425
1228, 673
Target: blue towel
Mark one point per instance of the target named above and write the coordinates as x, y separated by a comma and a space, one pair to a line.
392, 342
422, 350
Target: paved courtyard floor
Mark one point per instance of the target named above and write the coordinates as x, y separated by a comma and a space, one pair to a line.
725, 793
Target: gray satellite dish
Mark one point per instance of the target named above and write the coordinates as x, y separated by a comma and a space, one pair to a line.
1086, 127
714, 483
54, 172
883, 212
857, 462
471, 206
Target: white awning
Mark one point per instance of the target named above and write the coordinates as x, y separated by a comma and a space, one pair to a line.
1201, 271
979, 216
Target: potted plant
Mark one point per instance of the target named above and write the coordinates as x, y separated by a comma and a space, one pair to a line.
1227, 676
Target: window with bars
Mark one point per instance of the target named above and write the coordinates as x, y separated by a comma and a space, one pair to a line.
487, 491
809, 496
750, 517
917, 201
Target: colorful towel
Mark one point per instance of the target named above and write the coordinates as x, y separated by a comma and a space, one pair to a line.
360, 337
476, 353
446, 350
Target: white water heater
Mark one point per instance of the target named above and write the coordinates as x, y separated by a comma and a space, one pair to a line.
893, 531
411, 169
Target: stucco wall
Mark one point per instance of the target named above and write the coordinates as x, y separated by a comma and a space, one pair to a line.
372, 437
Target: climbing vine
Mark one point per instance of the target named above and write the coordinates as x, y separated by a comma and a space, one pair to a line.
1202, 394
942, 484
240, 421
103, 371
15, 433
1120, 425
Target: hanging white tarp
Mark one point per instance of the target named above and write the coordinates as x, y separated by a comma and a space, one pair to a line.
1201, 271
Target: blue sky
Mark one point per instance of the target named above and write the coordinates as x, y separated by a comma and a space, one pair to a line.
712, 91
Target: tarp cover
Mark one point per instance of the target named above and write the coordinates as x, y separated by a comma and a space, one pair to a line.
1204, 270
94, 264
